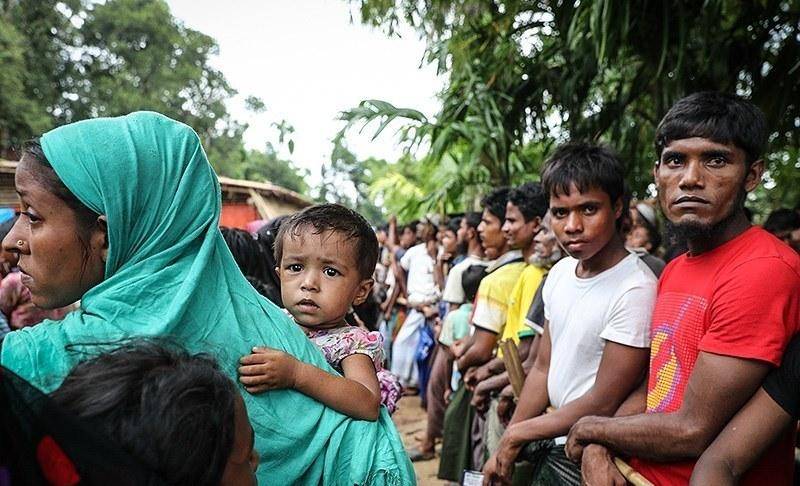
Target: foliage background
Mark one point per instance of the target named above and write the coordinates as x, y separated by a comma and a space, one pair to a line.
524, 75
521, 77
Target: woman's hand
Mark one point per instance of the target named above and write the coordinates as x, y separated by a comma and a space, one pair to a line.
267, 369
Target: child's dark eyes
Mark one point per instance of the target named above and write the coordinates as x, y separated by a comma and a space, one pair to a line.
294, 267
331, 272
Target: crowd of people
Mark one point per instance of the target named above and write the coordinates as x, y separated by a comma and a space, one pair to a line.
561, 334
574, 273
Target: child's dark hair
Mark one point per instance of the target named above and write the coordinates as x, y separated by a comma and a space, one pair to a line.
471, 280
586, 166
530, 199
723, 118
46, 176
338, 219
172, 411
453, 224
495, 202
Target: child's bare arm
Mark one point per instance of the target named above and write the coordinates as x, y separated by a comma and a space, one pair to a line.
356, 395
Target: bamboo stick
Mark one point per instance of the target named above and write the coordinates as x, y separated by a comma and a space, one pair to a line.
516, 375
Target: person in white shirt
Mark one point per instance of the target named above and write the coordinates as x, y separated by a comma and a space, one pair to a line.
422, 294
597, 307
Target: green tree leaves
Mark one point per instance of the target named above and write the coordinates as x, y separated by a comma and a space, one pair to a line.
530, 73
68, 60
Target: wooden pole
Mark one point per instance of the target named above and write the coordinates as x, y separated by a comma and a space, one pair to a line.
516, 375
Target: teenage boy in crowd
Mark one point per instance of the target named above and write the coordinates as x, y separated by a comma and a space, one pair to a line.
490, 307
503, 300
598, 303
725, 310
453, 296
525, 210
469, 244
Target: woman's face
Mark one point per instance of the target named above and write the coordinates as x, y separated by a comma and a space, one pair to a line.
59, 261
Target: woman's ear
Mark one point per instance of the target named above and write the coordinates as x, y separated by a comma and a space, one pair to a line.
100, 236
364, 288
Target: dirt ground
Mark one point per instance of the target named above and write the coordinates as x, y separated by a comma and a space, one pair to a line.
410, 421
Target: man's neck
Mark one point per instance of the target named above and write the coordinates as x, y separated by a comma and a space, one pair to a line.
430, 247
737, 225
474, 248
611, 254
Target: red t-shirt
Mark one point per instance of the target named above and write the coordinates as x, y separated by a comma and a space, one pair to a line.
741, 299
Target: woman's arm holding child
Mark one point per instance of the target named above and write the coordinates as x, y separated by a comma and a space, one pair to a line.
357, 394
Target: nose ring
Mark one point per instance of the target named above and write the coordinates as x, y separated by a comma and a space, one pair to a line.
20, 243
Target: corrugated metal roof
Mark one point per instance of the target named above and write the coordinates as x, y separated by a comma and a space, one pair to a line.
228, 185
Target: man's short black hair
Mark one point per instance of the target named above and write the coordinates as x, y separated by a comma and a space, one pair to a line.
495, 202
782, 220
335, 218
723, 118
412, 226
530, 199
585, 166
453, 224
471, 280
473, 219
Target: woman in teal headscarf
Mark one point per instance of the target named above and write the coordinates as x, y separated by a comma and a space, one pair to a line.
122, 213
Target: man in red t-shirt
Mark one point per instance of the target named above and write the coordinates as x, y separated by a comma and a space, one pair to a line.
725, 311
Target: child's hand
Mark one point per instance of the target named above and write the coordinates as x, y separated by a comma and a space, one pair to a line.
267, 369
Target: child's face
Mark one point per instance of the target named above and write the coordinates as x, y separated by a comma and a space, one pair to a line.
584, 222
320, 279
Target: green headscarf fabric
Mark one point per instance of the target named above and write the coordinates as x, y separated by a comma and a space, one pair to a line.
169, 274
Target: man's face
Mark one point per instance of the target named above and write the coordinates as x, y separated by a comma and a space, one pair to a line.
464, 234
408, 237
584, 222
544, 243
638, 237
701, 182
519, 232
492, 238
449, 242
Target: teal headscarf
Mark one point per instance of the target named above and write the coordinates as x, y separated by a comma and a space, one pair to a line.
169, 274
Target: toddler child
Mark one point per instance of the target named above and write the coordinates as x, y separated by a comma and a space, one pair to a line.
326, 255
